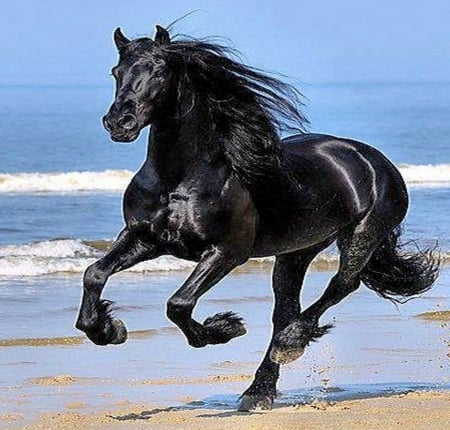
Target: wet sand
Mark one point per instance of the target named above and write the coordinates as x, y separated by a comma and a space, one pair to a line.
415, 411
381, 367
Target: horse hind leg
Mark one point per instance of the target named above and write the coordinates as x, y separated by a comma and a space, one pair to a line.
288, 274
356, 248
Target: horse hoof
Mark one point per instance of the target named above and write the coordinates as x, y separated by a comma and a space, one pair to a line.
198, 342
223, 327
113, 331
290, 343
120, 332
254, 402
279, 356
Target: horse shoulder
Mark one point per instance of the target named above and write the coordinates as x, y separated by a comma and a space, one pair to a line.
142, 196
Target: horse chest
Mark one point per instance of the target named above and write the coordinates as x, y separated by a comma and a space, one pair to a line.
183, 221
182, 228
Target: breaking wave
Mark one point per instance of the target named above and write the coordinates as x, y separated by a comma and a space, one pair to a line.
74, 256
65, 182
68, 256
426, 175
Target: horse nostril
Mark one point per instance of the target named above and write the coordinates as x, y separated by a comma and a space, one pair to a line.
128, 122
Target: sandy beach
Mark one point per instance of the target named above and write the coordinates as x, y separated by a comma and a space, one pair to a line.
381, 367
416, 410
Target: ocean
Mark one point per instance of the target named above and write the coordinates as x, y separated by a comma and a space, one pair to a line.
61, 185
62, 178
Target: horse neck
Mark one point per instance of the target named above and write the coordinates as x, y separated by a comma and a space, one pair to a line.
182, 144
180, 147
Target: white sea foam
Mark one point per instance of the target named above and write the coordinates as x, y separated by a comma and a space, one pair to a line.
62, 248
74, 256
65, 182
427, 175
42, 258
67, 256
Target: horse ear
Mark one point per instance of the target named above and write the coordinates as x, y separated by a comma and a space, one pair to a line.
120, 39
162, 35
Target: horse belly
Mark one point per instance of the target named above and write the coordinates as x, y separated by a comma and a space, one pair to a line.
296, 235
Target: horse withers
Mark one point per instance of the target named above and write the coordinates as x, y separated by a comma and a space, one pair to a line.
219, 186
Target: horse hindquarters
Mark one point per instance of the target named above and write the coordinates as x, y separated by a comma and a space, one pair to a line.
356, 246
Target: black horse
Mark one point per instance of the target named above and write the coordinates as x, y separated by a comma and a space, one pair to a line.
220, 186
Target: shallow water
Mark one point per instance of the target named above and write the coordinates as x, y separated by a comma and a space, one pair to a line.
374, 347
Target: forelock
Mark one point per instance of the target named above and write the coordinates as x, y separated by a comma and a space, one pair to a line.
141, 46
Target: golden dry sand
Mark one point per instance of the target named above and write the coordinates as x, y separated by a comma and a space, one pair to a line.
413, 411
435, 316
43, 341
78, 340
54, 380
76, 405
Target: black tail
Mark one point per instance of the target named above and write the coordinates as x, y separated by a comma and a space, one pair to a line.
393, 275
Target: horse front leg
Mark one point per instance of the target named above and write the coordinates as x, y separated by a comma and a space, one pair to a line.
94, 317
216, 263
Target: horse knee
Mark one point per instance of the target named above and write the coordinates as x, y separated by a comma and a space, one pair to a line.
179, 308
94, 278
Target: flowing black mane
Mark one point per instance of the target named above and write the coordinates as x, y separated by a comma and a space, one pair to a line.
247, 108
213, 70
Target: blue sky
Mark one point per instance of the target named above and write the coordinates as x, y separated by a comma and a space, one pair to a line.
69, 41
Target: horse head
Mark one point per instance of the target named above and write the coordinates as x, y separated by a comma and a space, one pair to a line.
143, 88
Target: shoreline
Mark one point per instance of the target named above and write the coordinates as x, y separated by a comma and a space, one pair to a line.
442, 316
411, 411
52, 379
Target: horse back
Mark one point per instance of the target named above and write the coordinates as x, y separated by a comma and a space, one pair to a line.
360, 175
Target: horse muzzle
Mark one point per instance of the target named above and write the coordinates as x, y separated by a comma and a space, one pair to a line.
124, 129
